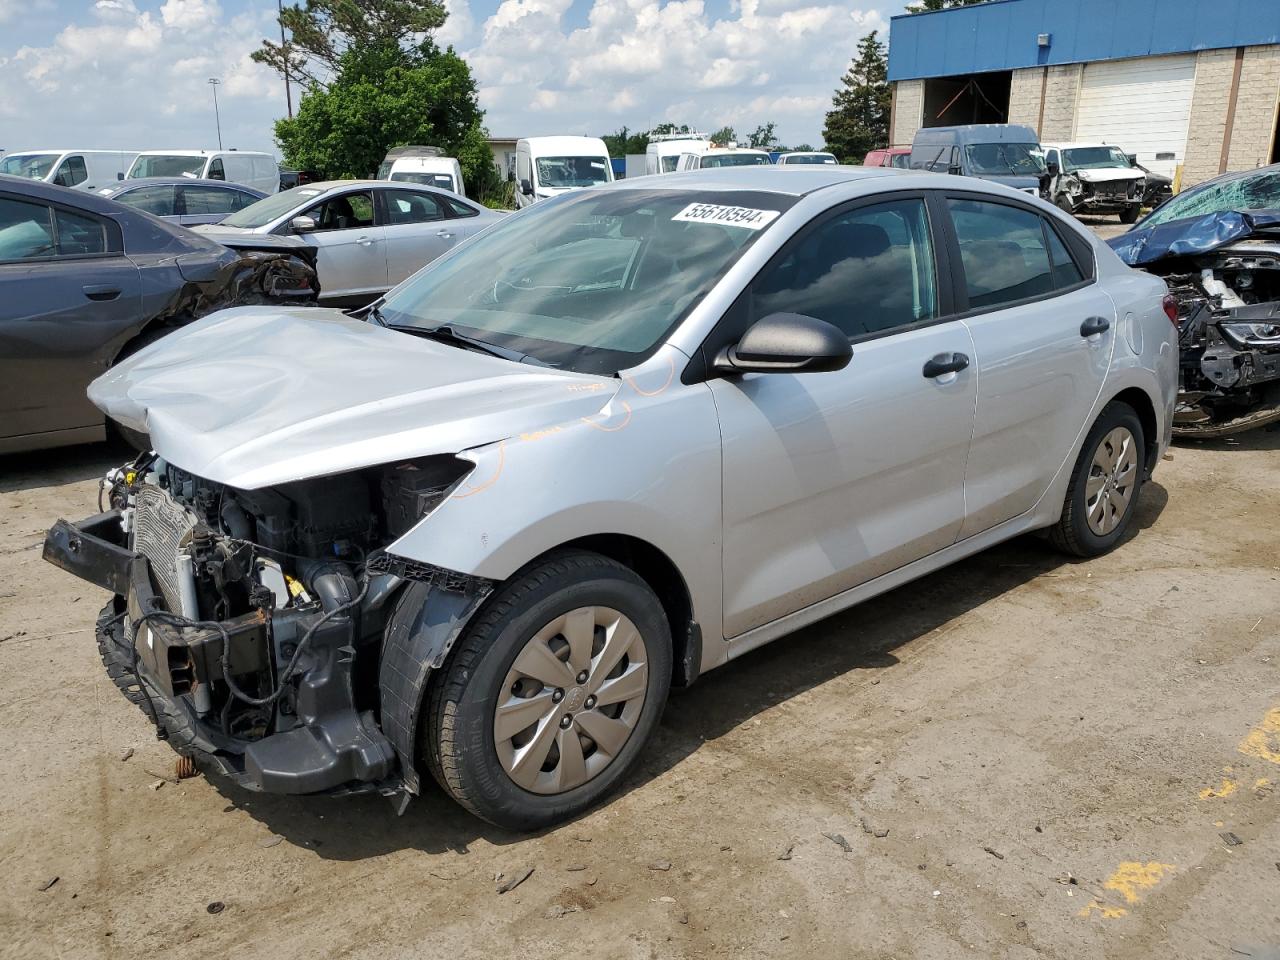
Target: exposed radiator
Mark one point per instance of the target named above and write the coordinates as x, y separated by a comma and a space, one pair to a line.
159, 526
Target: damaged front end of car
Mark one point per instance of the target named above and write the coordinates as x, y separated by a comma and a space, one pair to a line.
262, 631
1090, 192
1223, 271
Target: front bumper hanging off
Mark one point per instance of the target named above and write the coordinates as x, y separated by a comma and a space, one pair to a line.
332, 747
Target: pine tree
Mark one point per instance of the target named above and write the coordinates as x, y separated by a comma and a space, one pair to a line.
859, 116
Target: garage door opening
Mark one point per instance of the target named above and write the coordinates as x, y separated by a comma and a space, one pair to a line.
971, 98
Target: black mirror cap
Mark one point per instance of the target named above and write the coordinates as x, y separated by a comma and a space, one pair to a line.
955, 170
526, 188
1052, 167
787, 343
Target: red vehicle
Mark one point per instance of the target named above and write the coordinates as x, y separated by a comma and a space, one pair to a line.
888, 157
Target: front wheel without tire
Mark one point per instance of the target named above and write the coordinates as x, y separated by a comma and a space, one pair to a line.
552, 692
1105, 486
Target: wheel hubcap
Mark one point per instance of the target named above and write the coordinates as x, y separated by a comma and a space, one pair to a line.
1112, 477
571, 700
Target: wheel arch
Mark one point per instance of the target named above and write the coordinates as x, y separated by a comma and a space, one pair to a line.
1141, 403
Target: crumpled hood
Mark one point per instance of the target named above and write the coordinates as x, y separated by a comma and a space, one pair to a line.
1191, 236
1107, 174
256, 396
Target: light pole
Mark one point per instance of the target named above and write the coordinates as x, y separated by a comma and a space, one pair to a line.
284, 51
213, 82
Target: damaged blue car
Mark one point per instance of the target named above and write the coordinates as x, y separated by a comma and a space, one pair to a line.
1217, 246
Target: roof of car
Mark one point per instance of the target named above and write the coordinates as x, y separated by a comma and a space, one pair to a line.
320, 186
119, 186
1076, 145
795, 180
52, 193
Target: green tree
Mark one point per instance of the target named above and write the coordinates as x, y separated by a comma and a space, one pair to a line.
723, 135
622, 142
926, 6
323, 31
384, 96
762, 138
859, 117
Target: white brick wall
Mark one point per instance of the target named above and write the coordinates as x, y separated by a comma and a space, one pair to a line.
1061, 93
1208, 115
1024, 96
908, 111
1255, 108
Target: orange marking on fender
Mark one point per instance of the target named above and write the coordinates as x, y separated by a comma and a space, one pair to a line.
626, 406
502, 459
671, 373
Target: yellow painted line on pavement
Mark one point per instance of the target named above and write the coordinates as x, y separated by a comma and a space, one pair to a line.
1263, 741
1130, 880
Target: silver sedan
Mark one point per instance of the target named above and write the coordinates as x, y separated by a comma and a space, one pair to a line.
369, 234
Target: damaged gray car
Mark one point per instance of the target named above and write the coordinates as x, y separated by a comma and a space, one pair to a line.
476, 532
1217, 245
86, 282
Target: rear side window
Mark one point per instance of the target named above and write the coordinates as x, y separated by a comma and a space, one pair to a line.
460, 209
865, 271
203, 201
26, 230
405, 206
216, 170
1003, 252
158, 201
79, 235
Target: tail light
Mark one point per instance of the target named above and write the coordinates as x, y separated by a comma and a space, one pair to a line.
1170, 304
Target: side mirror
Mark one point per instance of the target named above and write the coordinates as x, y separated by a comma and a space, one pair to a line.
1132, 158
1052, 167
302, 224
119, 175
787, 343
954, 170
526, 188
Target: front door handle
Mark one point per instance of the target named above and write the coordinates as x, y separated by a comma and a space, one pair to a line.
1094, 326
100, 291
366, 241
443, 234
944, 363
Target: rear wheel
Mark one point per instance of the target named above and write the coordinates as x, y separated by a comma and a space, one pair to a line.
1130, 214
551, 694
1105, 485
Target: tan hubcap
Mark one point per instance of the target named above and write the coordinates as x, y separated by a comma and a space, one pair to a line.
1112, 478
571, 700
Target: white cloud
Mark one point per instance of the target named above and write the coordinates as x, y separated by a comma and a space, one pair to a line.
133, 73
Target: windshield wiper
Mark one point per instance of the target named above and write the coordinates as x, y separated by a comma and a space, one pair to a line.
445, 333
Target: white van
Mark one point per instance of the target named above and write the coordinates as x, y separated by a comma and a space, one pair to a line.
82, 169
425, 165
663, 153
249, 169
730, 156
547, 166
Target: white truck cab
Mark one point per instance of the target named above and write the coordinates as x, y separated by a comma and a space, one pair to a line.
548, 166
1094, 178
664, 151
257, 170
82, 169
426, 165
730, 156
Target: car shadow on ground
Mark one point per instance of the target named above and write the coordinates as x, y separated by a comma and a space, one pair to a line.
62, 465
862, 638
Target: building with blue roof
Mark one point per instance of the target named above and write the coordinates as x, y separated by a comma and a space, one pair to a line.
1190, 86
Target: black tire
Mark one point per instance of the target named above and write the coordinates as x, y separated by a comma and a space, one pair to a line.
1072, 534
1130, 214
1063, 204
457, 738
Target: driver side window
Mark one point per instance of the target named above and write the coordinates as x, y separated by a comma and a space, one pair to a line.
865, 271
349, 211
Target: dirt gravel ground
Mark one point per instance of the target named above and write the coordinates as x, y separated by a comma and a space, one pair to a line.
1025, 757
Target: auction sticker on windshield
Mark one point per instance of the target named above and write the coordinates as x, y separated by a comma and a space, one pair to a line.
727, 216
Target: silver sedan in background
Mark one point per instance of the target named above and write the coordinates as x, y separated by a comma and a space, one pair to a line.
369, 234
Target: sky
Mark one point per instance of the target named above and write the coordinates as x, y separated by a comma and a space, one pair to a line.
133, 74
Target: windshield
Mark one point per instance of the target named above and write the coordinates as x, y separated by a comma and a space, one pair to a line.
592, 281
1093, 158
734, 160
1256, 191
33, 166
271, 208
995, 159
166, 165
441, 180
810, 158
561, 172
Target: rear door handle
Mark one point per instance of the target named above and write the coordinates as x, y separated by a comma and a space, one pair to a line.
1094, 325
366, 241
944, 363
100, 291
